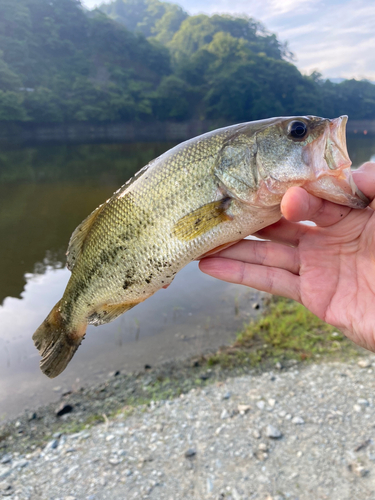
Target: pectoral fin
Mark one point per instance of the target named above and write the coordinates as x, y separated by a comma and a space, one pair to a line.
203, 219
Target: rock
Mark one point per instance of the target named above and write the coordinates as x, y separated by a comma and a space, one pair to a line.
364, 363
227, 395
243, 409
52, 445
363, 402
6, 490
114, 461
256, 434
31, 415
261, 404
357, 408
278, 365
190, 453
255, 305
109, 438
210, 485
20, 464
358, 469
6, 458
63, 409
263, 447
363, 445
272, 432
298, 420
70, 498
271, 402
224, 414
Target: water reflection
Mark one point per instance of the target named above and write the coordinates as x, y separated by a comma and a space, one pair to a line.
45, 193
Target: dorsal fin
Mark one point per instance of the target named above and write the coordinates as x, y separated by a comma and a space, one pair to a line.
78, 237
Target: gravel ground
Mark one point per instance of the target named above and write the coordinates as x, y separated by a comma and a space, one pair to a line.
302, 433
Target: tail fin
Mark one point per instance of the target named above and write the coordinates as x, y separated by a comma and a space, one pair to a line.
55, 343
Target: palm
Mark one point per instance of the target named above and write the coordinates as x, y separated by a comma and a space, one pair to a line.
329, 268
337, 275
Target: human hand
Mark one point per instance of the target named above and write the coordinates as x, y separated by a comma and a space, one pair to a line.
329, 268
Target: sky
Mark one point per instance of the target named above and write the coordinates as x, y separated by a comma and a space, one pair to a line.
334, 37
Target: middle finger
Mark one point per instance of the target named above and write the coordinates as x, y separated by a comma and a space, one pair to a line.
266, 253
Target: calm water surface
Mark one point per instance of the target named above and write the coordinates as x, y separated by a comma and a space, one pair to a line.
45, 193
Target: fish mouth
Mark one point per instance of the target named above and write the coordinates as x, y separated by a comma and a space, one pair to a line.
333, 177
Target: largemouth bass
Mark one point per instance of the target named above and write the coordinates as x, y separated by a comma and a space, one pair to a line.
198, 197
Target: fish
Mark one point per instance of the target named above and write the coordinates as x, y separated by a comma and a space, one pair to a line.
197, 198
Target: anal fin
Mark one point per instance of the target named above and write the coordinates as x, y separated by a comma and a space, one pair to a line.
203, 219
109, 312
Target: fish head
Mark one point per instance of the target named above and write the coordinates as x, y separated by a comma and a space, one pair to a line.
310, 152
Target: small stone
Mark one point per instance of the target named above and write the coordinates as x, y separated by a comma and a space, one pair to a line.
31, 415
358, 469
191, 452
63, 409
263, 447
364, 363
52, 445
278, 365
56, 435
288, 416
357, 408
70, 498
256, 434
20, 464
227, 395
6, 458
114, 461
272, 432
272, 402
298, 420
299, 454
224, 414
243, 409
210, 485
261, 404
57, 388
255, 305
5, 487
109, 438
363, 402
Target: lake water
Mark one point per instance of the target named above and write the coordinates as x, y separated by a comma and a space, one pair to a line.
45, 192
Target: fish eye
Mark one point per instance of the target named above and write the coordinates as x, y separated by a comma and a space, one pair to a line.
297, 130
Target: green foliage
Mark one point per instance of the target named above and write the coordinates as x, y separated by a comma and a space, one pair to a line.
287, 330
198, 31
11, 106
145, 59
149, 17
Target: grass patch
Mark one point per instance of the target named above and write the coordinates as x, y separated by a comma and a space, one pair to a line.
286, 330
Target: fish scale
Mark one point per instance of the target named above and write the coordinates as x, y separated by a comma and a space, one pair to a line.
202, 195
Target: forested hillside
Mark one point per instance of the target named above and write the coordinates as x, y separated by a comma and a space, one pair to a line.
146, 59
